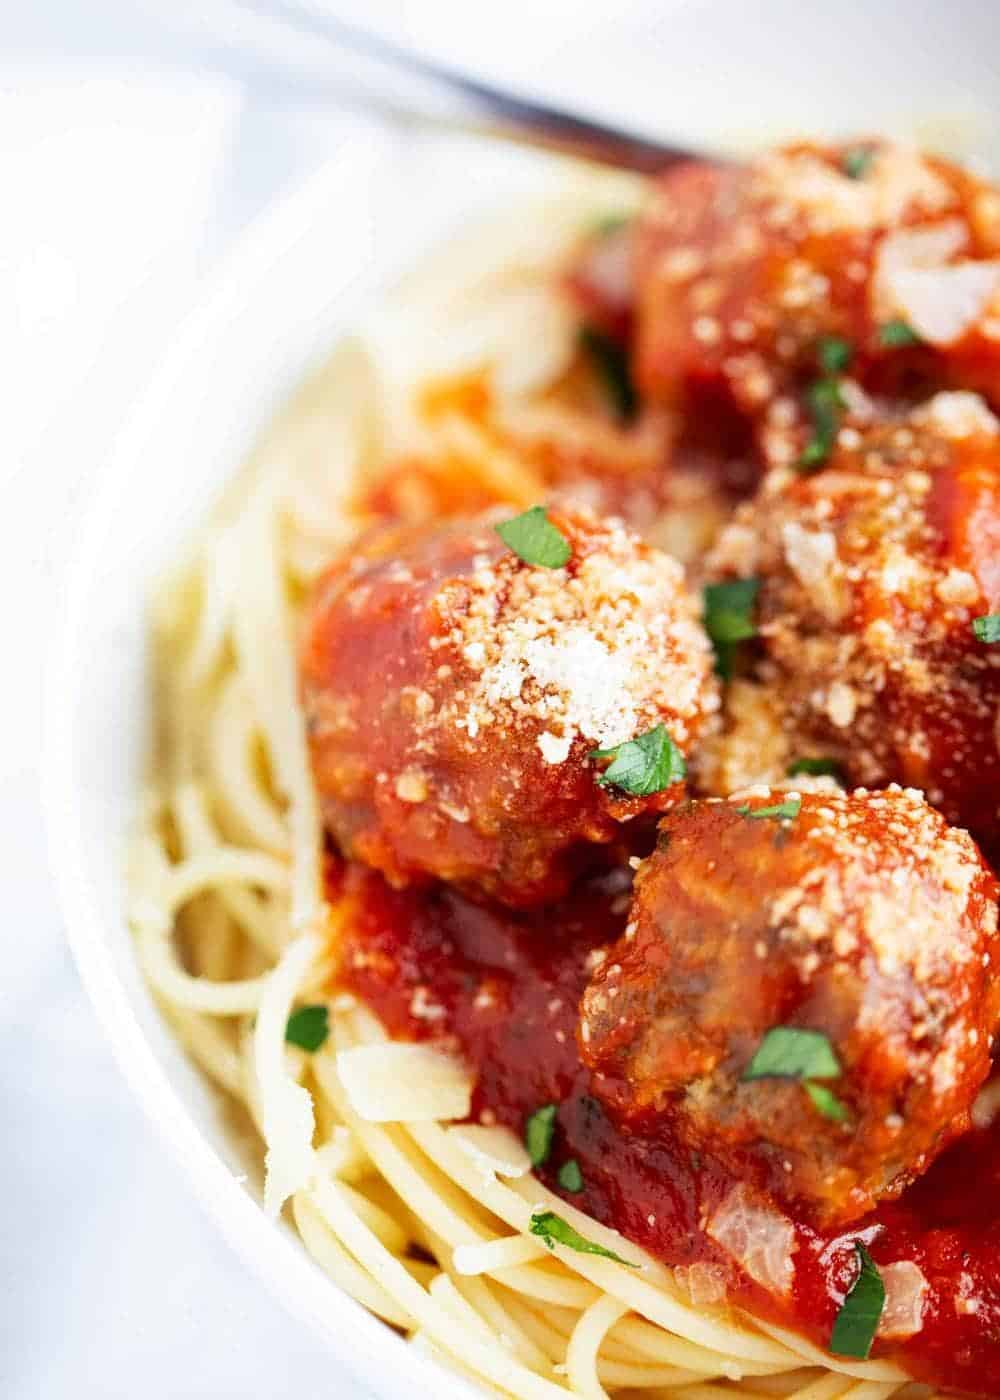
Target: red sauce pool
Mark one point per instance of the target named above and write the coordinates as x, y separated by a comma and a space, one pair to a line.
434, 965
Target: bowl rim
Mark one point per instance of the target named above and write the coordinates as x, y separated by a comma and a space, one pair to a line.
379, 1359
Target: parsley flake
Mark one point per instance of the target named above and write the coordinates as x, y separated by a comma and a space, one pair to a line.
825, 408
553, 1230
825, 1101
569, 1176
534, 538
858, 1319
789, 1052
987, 627
611, 362
897, 334
856, 162
835, 354
538, 1130
817, 768
785, 811
728, 618
308, 1027
644, 765
609, 224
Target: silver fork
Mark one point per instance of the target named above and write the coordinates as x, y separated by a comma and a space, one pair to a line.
386, 75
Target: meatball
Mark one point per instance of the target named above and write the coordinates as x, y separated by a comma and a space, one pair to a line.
871, 574
742, 271
862, 930
455, 695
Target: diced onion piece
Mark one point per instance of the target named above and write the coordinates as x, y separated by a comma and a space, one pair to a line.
905, 1287
956, 413
942, 303
395, 1082
493, 1149
757, 1237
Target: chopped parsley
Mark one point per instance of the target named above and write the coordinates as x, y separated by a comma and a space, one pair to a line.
817, 768
644, 765
857, 161
897, 334
534, 538
825, 408
835, 354
569, 1176
553, 1229
538, 1130
728, 618
308, 1027
609, 224
611, 362
789, 1052
825, 1101
858, 1319
785, 811
987, 627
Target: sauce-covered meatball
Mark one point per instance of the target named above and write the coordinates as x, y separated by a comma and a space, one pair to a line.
454, 694
871, 573
743, 271
807, 998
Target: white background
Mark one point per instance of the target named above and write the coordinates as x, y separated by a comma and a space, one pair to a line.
136, 140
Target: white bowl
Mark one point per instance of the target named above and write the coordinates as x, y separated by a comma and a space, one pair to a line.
295, 283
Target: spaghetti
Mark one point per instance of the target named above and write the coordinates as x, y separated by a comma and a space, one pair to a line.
425, 1219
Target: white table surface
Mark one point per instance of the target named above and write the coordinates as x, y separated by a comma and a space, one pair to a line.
137, 137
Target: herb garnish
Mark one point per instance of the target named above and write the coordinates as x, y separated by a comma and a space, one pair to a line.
608, 224
569, 1176
728, 609
611, 362
644, 765
858, 1319
896, 334
308, 1027
553, 1229
817, 768
534, 538
789, 1052
987, 627
538, 1130
785, 811
834, 354
856, 162
825, 407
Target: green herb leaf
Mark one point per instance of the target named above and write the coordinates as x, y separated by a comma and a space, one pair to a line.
856, 162
534, 538
779, 811
728, 618
553, 1229
987, 627
611, 362
308, 1027
643, 765
609, 224
825, 408
858, 1319
826, 1102
835, 354
569, 1176
894, 335
789, 1052
538, 1130
817, 768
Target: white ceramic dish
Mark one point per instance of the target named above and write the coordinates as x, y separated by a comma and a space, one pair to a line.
296, 282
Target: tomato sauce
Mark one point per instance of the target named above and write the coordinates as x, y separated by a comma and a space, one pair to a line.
504, 988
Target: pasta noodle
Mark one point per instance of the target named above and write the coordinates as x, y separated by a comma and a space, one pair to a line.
423, 1223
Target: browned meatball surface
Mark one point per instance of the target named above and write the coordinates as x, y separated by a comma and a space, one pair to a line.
862, 918
454, 693
871, 574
